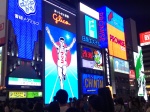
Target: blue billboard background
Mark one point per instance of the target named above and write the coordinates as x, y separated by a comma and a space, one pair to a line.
52, 81
89, 78
26, 20
114, 19
121, 66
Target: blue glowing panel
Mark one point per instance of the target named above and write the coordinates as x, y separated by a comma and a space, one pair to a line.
91, 83
102, 28
90, 27
60, 62
114, 19
26, 17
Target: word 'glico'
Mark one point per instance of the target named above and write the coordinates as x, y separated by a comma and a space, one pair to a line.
59, 18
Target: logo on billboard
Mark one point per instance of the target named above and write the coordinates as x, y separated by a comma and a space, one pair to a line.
110, 16
91, 27
28, 6
59, 19
145, 38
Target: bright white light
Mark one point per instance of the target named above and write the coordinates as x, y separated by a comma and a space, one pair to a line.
67, 36
89, 11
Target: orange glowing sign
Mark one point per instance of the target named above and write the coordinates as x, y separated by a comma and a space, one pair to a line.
58, 18
145, 38
116, 42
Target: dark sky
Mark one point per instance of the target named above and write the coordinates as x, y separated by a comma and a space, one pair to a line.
138, 10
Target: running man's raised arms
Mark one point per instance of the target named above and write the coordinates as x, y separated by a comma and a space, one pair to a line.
71, 45
50, 37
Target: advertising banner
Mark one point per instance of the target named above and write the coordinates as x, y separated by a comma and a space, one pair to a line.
91, 83
121, 66
111, 32
91, 58
144, 38
88, 26
26, 18
140, 76
116, 42
60, 54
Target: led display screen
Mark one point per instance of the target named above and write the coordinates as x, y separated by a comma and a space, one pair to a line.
26, 17
91, 83
91, 58
24, 45
17, 94
144, 38
139, 70
121, 66
24, 81
60, 53
24, 94
88, 30
111, 32
116, 42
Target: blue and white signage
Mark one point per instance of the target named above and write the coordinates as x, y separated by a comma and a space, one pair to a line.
26, 18
121, 66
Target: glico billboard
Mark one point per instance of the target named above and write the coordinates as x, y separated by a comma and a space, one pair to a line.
145, 38
60, 51
111, 32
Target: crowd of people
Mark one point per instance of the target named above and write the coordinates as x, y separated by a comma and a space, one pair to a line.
102, 102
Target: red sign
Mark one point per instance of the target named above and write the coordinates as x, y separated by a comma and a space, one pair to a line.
87, 54
132, 74
145, 38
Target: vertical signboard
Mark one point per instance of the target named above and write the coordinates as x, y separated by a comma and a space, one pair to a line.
107, 68
60, 51
2, 21
88, 19
140, 76
26, 17
24, 56
111, 32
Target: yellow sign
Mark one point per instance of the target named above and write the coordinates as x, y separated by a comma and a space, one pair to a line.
17, 94
116, 42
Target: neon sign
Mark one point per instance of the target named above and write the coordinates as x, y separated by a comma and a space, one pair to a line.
59, 18
102, 29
